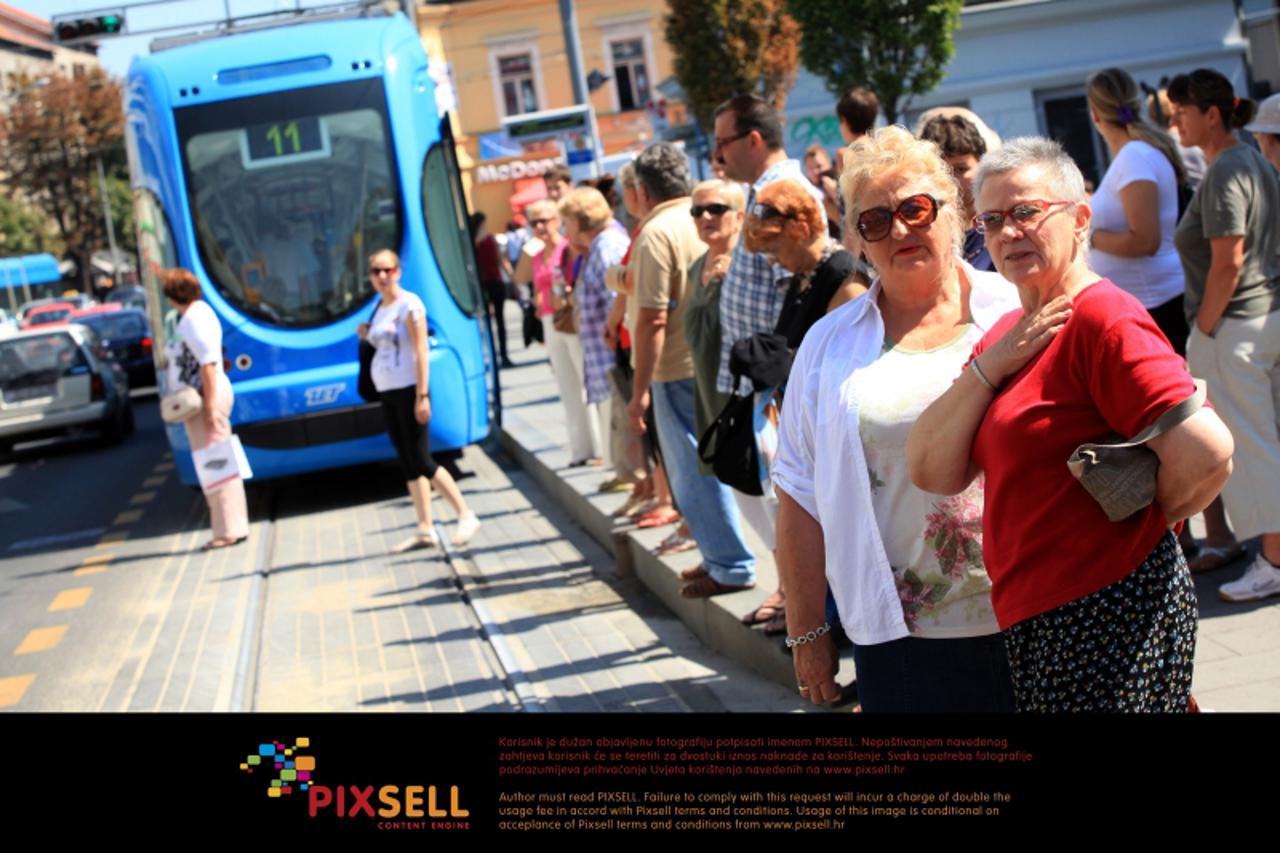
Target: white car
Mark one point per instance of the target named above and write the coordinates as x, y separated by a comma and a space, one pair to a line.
59, 380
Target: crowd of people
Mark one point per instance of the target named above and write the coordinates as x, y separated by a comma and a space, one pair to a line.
920, 329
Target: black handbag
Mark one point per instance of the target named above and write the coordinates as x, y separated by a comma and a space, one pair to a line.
364, 384
532, 323
729, 445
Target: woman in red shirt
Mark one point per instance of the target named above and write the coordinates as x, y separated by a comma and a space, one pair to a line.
1098, 615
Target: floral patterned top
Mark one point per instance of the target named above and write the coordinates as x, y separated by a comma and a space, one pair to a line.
933, 542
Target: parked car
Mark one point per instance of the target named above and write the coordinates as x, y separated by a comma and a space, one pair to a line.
55, 381
43, 315
126, 334
130, 297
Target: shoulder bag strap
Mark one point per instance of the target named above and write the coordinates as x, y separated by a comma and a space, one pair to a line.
1169, 419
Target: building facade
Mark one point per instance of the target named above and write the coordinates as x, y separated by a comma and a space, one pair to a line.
503, 59
1022, 65
27, 50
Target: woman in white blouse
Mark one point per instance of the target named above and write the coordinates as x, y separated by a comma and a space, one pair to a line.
196, 358
1135, 208
905, 567
398, 332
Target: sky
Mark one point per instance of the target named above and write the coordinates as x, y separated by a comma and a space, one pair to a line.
116, 53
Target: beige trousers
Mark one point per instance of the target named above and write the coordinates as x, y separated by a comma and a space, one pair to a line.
228, 512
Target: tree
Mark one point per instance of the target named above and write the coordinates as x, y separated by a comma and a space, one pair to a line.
896, 48
24, 230
55, 130
724, 48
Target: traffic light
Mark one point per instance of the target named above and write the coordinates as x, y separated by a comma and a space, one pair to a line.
71, 30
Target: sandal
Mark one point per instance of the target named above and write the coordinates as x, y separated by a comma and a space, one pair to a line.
777, 626
657, 518
769, 609
467, 526
617, 484
634, 506
693, 574
1213, 557
416, 543
708, 586
215, 544
676, 543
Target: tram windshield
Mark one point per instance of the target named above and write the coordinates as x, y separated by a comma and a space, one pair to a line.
289, 193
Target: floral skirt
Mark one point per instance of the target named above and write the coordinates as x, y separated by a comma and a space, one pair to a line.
1127, 647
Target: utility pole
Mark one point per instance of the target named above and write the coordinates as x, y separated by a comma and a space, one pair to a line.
111, 228
573, 47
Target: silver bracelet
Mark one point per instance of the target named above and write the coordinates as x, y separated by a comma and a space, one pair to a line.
810, 637
982, 377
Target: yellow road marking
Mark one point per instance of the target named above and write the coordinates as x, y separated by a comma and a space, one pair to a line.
12, 688
93, 564
152, 482
41, 639
142, 498
127, 517
163, 467
70, 599
111, 538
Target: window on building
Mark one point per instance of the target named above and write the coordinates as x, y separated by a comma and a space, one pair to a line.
630, 74
518, 93
1064, 116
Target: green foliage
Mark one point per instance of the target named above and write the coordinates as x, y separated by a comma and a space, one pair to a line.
51, 137
724, 48
25, 230
896, 48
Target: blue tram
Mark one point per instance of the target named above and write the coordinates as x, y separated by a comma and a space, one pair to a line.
272, 162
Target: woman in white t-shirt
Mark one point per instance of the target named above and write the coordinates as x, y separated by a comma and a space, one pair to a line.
398, 332
195, 360
1135, 208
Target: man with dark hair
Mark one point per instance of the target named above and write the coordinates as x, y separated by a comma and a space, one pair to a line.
962, 147
753, 291
558, 181
857, 110
665, 247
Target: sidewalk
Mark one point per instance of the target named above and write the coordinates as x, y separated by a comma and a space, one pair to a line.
1237, 660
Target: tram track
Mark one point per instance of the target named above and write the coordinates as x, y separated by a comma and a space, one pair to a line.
517, 688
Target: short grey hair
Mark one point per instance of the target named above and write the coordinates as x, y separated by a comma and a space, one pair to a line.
1063, 173
627, 175
731, 190
663, 171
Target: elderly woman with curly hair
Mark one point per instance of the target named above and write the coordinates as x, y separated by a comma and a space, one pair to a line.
1099, 615
905, 567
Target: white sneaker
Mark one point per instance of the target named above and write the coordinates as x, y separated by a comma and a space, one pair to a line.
1260, 580
467, 527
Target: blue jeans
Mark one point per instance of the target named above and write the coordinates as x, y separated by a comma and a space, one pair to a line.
707, 504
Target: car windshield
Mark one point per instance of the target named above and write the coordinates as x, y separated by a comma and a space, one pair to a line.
120, 325
289, 193
49, 315
36, 360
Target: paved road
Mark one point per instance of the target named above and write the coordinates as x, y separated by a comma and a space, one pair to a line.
106, 602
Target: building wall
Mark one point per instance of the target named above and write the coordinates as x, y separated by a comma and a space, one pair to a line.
27, 49
470, 37
1011, 55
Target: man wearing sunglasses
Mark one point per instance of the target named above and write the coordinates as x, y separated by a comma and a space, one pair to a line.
749, 147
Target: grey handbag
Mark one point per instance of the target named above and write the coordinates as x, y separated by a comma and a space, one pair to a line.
1121, 477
